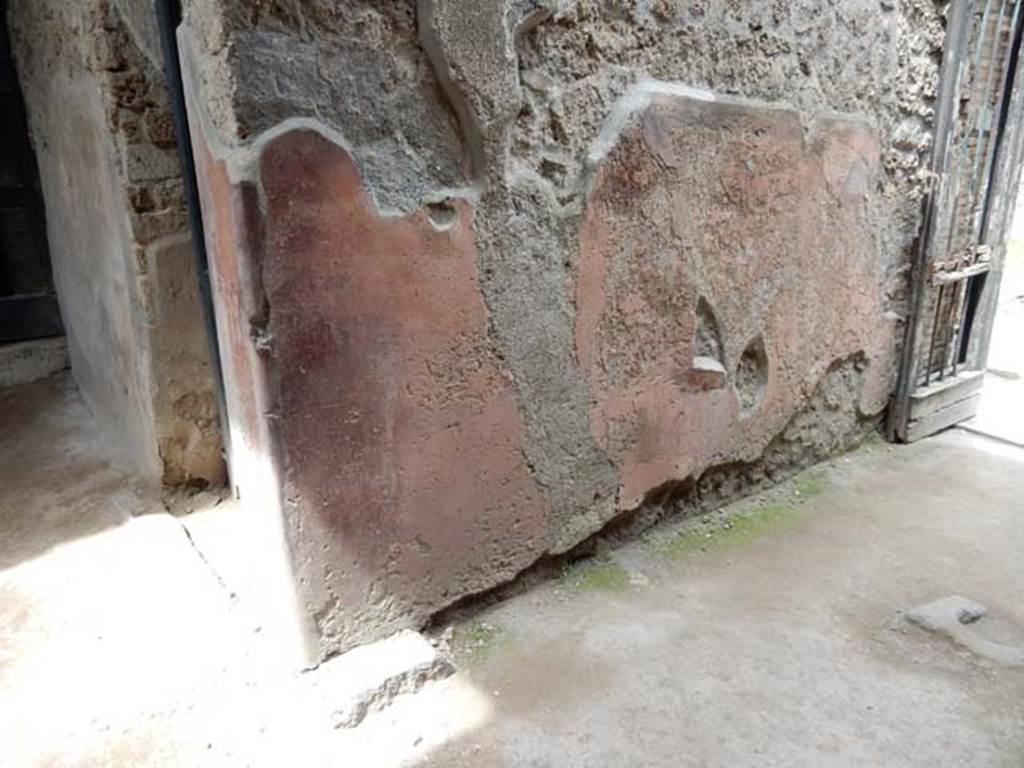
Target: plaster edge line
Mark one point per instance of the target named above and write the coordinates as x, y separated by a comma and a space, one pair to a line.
654, 87
634, 101
472, 135
241, 157
640, 95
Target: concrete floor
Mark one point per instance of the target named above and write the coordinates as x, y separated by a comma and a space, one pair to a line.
771, 635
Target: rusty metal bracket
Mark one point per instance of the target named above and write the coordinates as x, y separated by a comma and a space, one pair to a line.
974, 261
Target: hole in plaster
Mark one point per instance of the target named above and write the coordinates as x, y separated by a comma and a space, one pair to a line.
707, 369
442, 215
752, 377
707, 338
553, 170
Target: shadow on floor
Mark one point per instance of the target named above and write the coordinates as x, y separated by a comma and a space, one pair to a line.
59, 479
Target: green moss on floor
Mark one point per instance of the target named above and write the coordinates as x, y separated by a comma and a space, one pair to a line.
809, 483
714, 533
475, 640
598, 574
736, 531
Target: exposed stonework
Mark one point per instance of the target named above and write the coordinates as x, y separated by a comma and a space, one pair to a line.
654, 287
186, 420
101, 123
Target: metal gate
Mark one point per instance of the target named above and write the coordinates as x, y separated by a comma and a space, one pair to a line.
976, 163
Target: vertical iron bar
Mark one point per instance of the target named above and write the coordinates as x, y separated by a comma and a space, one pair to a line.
944, 338
931, 341
960, 325
951, 326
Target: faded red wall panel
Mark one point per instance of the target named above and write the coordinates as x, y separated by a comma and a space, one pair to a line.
735, 203
395, 429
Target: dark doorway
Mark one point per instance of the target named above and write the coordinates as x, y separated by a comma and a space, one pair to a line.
28, 301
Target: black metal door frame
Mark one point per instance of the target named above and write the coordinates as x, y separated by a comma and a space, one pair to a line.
168, 16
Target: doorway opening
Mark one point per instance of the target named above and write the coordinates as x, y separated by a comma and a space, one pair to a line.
31, 330
1001, 406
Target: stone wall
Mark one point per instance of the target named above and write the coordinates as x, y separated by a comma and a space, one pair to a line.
101, 124
494, 274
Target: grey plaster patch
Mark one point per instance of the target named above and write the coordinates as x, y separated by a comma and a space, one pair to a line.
357, 70
527, 280
241, 155
525, 239
954, 618
473, 48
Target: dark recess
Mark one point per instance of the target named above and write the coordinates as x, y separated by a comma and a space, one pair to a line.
28, 302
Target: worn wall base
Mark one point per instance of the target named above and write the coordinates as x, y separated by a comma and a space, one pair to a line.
28, 361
